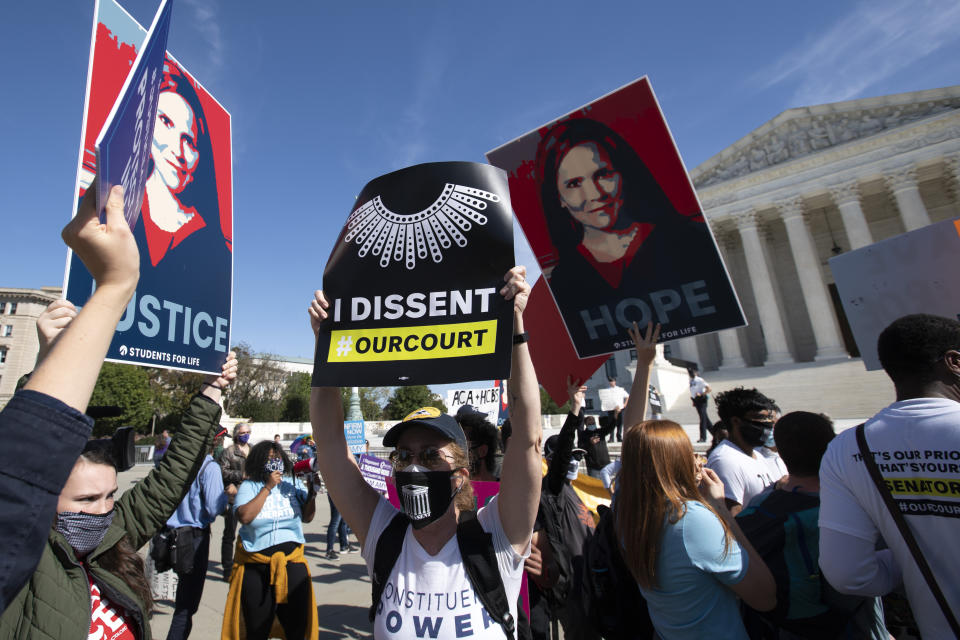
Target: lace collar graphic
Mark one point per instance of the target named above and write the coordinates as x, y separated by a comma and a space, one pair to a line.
408, 237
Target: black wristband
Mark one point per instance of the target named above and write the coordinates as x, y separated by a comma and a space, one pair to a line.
520, 338
210, 384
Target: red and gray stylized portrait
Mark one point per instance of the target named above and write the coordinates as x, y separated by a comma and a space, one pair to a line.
613, 245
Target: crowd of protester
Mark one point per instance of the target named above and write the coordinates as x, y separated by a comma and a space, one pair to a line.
784, 532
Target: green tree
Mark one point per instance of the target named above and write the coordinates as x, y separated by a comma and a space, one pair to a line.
257, 393
296, 398
548, 407
172, 391
125, 386
407, 399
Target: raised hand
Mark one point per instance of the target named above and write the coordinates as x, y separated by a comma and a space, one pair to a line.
109, 251
577, 394
228, 373
646, 343
517, 288
52, 322
317, 311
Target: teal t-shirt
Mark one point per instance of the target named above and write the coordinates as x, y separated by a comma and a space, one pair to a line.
278, 520
693, 598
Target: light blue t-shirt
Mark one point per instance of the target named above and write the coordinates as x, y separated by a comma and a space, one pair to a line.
278, 520
693, 599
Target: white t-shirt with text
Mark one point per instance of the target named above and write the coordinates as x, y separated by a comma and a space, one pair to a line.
431, 596
916, 444
743, 477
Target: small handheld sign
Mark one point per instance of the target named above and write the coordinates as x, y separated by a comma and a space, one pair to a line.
123, 146
413, 281
353, 431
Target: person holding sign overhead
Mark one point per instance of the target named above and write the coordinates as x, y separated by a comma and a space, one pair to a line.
431, 470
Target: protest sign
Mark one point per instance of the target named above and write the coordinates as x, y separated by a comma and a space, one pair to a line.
180, 315
910, 273
609, 398
483, 399
353, 430
551, 351
123, 146
614, 222
413, 281
375, 471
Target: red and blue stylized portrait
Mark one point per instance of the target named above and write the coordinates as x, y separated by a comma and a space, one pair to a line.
180, 315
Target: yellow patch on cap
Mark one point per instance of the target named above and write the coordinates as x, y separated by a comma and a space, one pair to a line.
423, 412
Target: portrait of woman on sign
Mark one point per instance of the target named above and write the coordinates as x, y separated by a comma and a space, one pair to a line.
613, 245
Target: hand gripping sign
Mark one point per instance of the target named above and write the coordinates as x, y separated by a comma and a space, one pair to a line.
413, 281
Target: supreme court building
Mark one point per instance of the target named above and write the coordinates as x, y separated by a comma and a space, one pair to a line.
810, 184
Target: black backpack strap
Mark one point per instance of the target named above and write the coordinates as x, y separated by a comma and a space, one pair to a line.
480, 561
388, 550
904, 528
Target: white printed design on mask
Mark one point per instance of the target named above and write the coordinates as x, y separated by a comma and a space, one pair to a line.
408, 237
416, 504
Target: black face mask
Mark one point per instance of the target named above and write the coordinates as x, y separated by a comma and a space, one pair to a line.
424, 495
755, 434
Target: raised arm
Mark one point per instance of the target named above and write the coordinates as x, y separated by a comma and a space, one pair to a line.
109, 251
646, 346
520, 480
557, 470
148, 505
355, 499
43, 425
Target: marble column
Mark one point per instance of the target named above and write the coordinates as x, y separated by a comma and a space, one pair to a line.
687, 349
826, 333
847, 197
731, 357
903, 183
771, 323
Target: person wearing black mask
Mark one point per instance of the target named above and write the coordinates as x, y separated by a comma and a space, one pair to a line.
431, 470
749, 417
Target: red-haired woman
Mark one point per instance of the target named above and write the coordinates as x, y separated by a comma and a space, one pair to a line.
682, 545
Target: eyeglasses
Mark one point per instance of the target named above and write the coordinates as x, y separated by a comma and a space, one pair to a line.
430, 457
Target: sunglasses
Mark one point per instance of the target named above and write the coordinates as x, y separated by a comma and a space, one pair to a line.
430, 457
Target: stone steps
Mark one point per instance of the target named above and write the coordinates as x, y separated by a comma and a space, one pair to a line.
842, 389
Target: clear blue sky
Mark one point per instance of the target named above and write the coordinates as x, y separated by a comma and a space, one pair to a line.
325, 96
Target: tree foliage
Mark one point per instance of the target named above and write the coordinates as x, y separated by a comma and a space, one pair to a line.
407, 399
257, 393
548, 407
296, 398
127, 387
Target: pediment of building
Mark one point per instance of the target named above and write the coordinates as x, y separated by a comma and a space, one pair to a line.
805, 131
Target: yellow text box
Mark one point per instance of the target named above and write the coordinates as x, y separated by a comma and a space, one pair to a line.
943, 487
413, 343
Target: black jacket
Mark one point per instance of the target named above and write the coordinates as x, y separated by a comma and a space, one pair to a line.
42, 439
